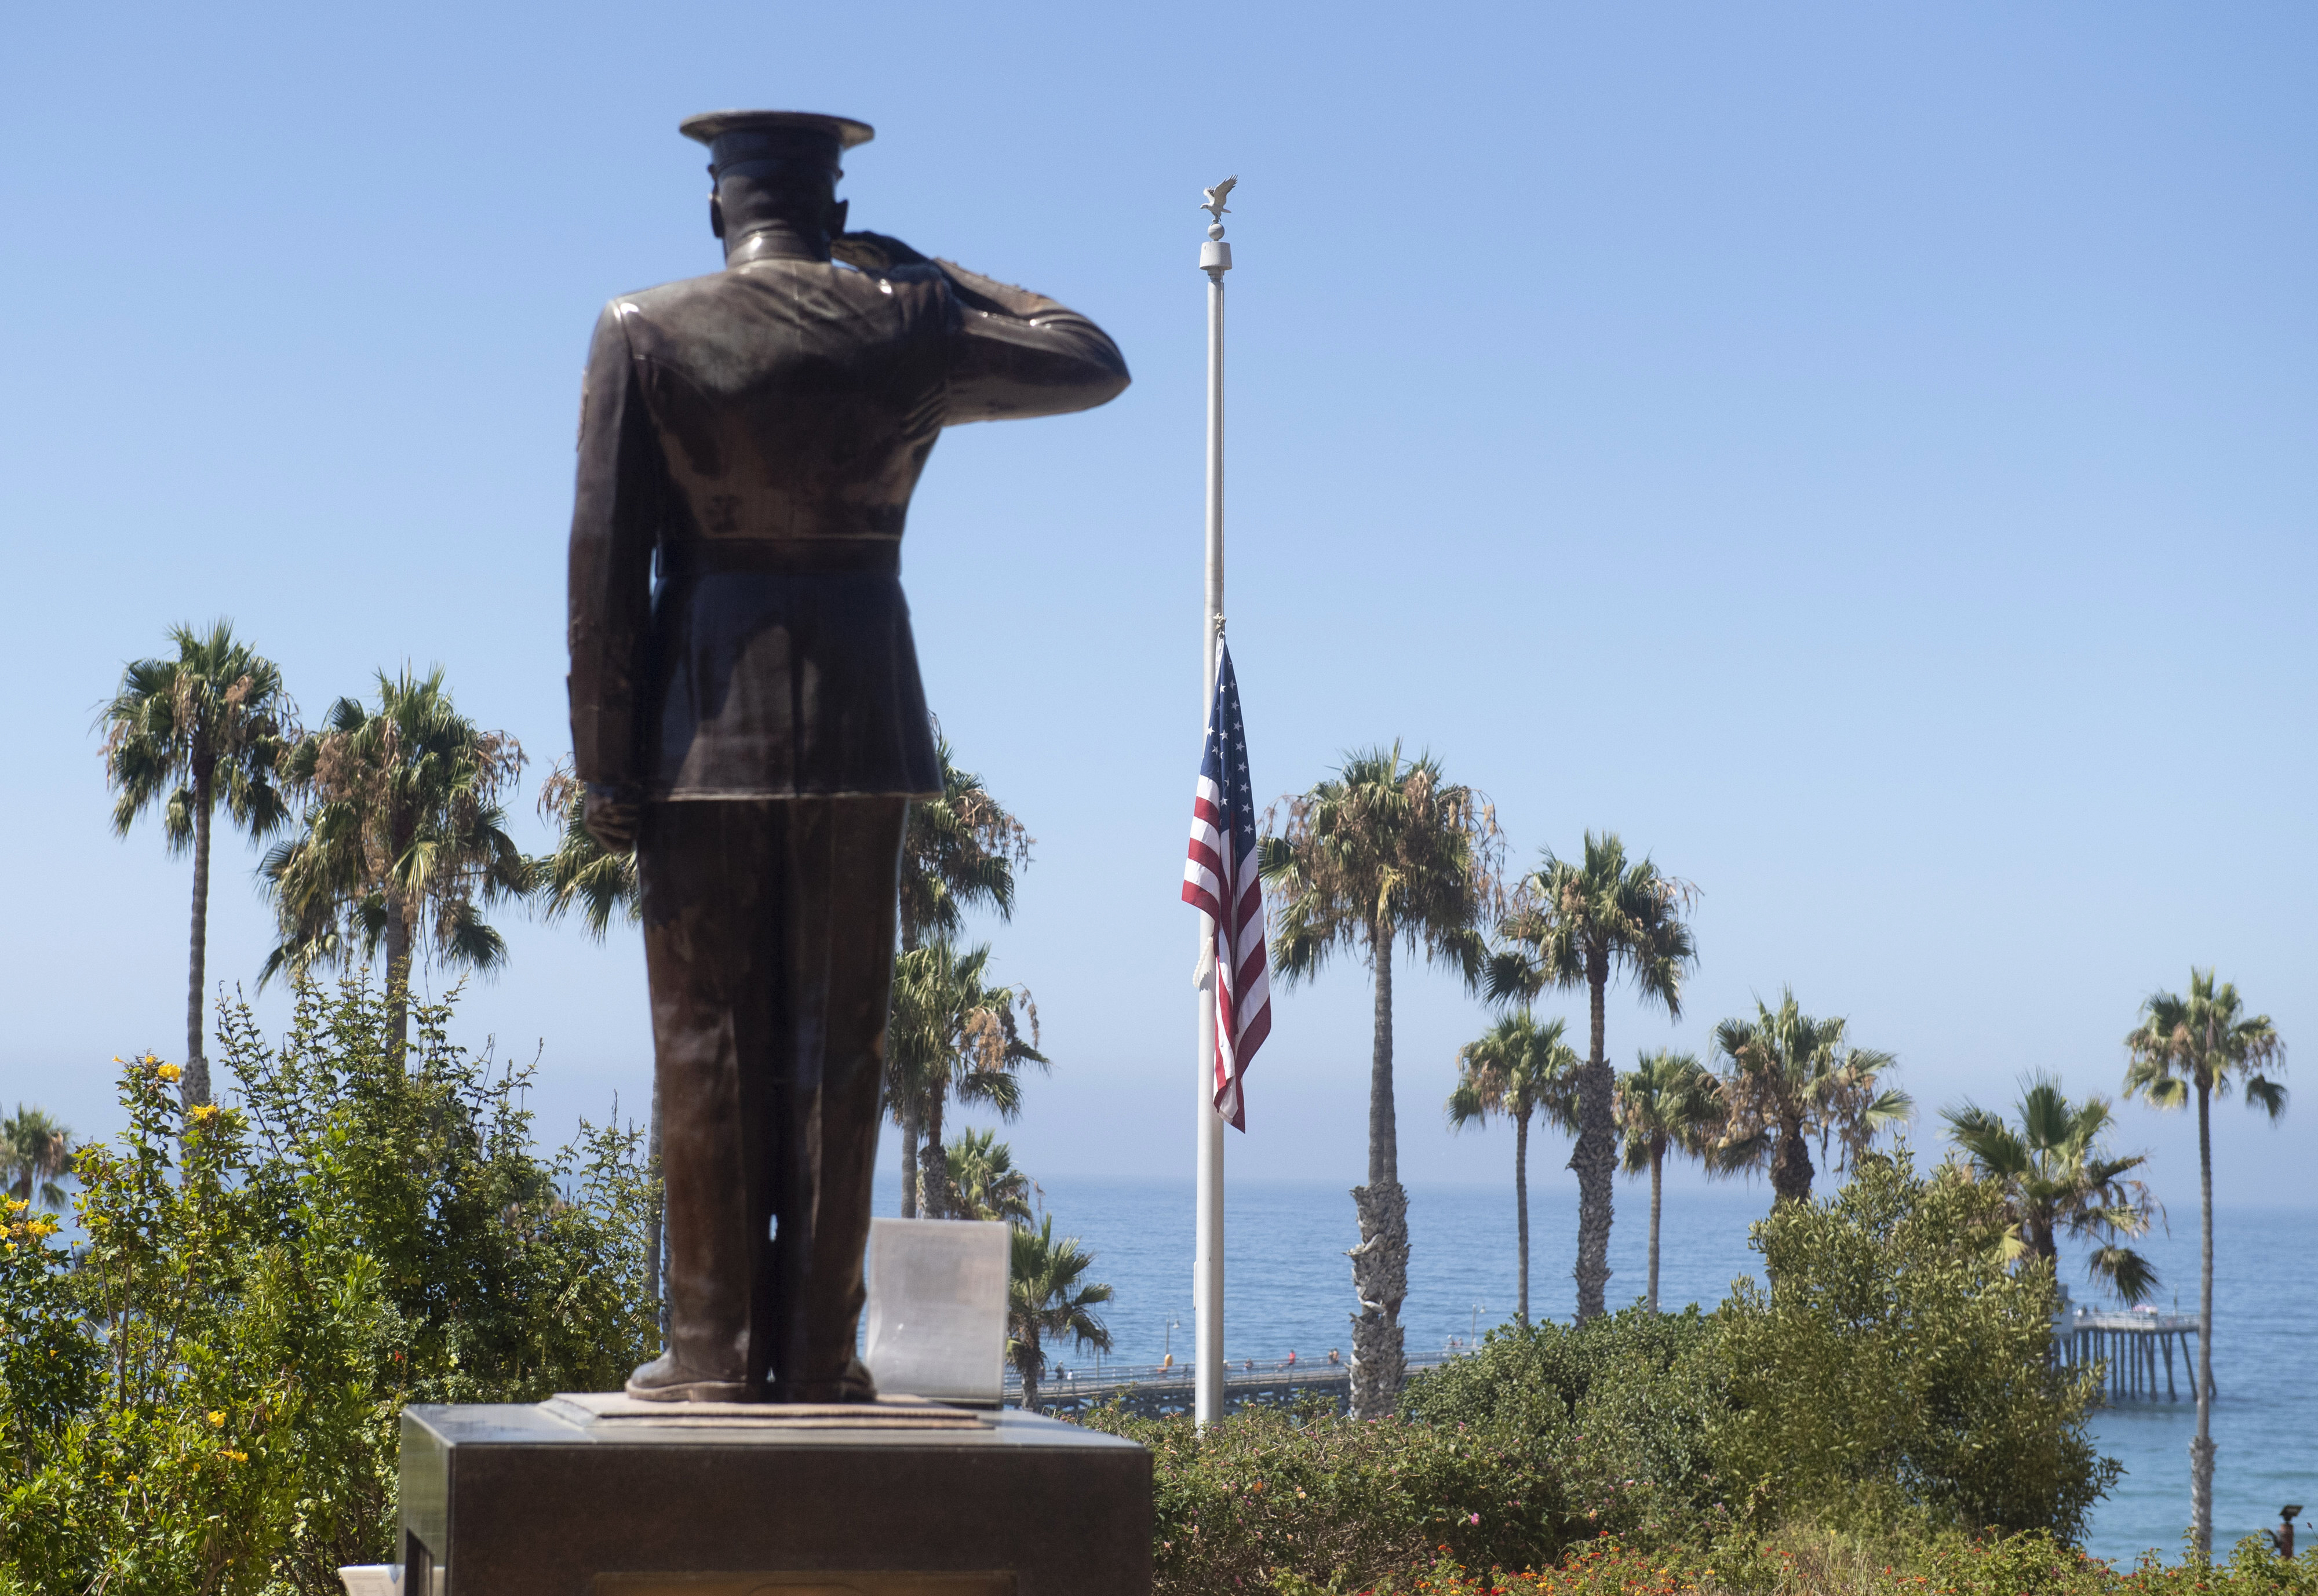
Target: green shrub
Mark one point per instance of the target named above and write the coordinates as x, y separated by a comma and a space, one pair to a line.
1622, 1405
205, 1397
1269, 1495
1896, 1370
1889, 1398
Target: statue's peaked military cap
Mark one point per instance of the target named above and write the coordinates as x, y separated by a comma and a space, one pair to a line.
736, 137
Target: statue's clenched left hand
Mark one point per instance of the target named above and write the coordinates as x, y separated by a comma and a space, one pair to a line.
613, 815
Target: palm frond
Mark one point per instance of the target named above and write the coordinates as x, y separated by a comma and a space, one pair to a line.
2204, 1043
36, 1153
1387, 849
2128, 1272
1667, 1102
2267, 1095
959, 851
2056, 1178
403, 825
578, 874
982, 1175
182, 733
1787, 1072
1605, 907
1048, 1297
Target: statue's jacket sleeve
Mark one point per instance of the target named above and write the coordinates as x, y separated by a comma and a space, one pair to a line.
615, 522
753, 438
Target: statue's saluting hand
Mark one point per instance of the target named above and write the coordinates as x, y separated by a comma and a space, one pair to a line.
874, 253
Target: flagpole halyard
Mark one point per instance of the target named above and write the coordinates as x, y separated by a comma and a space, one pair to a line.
1207, 1250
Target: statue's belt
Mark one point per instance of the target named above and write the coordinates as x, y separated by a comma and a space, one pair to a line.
793, 556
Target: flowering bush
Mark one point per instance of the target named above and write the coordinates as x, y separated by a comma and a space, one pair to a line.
1820, 1562
204, 1397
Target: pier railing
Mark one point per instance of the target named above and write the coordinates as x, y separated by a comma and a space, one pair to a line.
1154, 1392
2136, 1346
2130, 1343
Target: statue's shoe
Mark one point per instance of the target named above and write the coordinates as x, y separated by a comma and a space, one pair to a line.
853, 1385
665, 1379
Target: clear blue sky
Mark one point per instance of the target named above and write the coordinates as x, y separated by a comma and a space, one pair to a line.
1861, 453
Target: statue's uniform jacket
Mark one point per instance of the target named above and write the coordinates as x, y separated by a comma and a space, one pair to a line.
762, 429
756, 435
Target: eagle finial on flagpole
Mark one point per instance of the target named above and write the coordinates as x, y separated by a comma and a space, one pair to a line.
1215, 254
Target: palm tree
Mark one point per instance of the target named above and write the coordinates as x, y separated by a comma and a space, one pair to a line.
2200, 1046
1044, 1301
35, 1151
404, 840
184, 733
959, 851
954, 1034
983, 1178
580, 875
2057, 1176
1575, 923
1518, 1067
1791, 1078
1387, 851
1666, 1103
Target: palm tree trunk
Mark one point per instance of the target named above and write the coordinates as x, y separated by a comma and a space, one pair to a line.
1028, 1367
1521, 1206
655, 1217
397, 979
1790, 1166
1595, 1157
1657, 1190
912, 1127
910, 1162
2201, 1450
934, 1170
1381, 1260
1384, 1140
196, 1088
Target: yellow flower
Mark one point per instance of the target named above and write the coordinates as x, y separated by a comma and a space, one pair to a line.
204, 1114
168, 1072
217, 1420
238, 1456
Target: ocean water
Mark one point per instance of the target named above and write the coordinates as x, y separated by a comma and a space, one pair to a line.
1288, 1287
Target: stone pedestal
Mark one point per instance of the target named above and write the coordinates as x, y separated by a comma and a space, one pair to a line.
601, 1496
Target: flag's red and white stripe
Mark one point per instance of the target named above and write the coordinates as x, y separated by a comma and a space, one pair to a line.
1221, 881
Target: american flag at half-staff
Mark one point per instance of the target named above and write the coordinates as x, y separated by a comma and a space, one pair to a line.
1220, 880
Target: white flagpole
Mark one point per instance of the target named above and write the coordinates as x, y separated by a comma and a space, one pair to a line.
1207, 1250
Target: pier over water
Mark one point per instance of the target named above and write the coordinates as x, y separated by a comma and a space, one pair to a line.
1150, 1393
2130, 1343
2137, 1347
